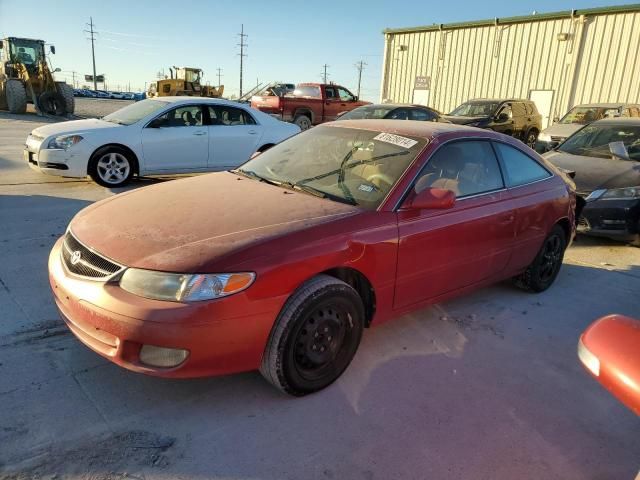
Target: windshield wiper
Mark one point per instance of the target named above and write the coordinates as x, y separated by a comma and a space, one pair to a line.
322, 194
253, 175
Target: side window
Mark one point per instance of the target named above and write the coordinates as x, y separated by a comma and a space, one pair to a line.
344, 95
506, 108
187, 116
330, 92
226, 115
519, 168
399, 114
518, 109
422, 115
466, 168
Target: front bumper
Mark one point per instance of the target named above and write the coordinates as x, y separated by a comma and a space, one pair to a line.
61, 163
617, 219
222, 336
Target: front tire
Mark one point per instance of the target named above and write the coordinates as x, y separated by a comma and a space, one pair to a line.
315, 337
111, 167
16, 96
532, 137
544, 269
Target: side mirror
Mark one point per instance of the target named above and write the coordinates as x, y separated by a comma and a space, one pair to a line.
608, 349
57, 70
553, 145
618, 150
53, 49
431, 198
355, 98
503, 117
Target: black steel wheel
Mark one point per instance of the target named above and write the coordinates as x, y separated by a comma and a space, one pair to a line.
532, 137
315, 337
544, 269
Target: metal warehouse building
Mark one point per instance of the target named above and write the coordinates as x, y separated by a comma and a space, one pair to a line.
557, 59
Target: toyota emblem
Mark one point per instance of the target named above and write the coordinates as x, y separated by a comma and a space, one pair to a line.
75, 257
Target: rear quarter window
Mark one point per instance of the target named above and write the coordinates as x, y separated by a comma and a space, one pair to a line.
519, 168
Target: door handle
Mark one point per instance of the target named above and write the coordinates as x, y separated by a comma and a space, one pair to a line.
252, 132
199, 133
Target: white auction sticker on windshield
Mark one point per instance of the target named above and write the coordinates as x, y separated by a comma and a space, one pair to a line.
395, 140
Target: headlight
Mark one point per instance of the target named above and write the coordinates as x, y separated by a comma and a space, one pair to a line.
64, 141
178, 287
629, 193
544, 137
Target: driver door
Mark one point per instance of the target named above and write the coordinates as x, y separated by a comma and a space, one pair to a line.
176, 141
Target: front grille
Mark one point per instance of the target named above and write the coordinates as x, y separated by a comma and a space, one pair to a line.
80, 260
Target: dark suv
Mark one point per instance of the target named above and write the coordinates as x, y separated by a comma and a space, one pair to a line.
515, 117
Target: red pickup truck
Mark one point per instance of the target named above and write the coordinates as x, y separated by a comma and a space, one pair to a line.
309, 104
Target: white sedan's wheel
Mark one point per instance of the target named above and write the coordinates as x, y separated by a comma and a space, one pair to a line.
111, 167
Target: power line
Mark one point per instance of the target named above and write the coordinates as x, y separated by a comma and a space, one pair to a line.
219, 76
325, 74
242, 44
92, 33
360, 66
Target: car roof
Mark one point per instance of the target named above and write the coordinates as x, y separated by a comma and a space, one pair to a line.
394, 105
603, 105
412, 128
479, 100
186, 99
632, 121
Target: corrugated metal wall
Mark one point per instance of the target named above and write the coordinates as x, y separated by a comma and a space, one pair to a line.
599, 61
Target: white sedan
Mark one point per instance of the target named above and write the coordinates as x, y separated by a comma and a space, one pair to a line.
155, 137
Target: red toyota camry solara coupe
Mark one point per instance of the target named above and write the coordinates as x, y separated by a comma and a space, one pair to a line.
280, 264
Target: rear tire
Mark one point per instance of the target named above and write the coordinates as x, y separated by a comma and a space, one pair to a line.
544, 269
111, 167
303, 122
66, 91
16, 96
315, 337
52, 103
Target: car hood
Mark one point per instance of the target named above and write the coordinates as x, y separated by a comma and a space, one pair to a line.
563, 130
74, 126
594, 173
184, 225
465, 120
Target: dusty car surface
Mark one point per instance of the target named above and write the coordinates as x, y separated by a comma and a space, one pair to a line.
610, 350
605, 157
280, 264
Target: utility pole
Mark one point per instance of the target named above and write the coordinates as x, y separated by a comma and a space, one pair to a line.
219, 76
360, 66
242, 44
324, 75
92, 33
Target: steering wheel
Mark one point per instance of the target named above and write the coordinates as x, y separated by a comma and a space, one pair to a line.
381, 177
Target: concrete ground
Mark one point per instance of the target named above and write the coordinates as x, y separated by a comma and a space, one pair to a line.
485, 387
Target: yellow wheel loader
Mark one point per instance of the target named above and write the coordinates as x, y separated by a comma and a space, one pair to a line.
25, 77
184, 81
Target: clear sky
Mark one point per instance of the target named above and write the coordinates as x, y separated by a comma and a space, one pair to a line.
288, 41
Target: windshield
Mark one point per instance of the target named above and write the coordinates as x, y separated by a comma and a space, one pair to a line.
594, 140
343, 164
475, 109
370, 111
26, 51
135, 112
584, 115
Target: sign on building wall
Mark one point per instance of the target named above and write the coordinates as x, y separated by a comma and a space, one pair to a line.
422, 83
